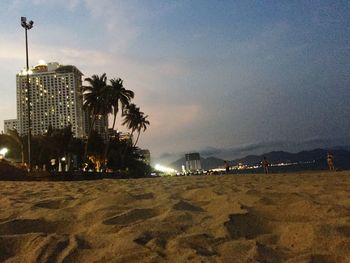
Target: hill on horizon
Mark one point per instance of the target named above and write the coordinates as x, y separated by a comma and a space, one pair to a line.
318, 156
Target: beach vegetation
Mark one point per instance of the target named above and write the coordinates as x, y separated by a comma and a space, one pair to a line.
135, 120
118, 99
95, 101
58, 150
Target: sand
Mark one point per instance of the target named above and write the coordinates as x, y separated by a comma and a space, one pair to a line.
298, 217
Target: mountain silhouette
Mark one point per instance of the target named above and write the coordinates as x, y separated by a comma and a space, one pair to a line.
316, 158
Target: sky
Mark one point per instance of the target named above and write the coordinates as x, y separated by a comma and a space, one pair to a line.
225, 78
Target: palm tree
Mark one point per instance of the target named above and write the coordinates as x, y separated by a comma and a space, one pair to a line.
135, 120
95, 100
131, 115
142, 125
118, 98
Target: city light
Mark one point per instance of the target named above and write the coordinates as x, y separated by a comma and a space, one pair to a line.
164, 169
24, 72
3, 152
42, 62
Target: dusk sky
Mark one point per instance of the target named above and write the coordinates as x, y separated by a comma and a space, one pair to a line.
226, 78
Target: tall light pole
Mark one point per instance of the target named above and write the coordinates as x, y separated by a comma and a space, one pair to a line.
26, 27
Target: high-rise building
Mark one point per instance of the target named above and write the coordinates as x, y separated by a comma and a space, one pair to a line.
56, 100
10, 125
193, 162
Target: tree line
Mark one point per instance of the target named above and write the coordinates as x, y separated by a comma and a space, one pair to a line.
100, 98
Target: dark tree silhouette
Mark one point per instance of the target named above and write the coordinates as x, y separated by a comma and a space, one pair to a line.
95, 100
141, 126
135, 120
118, 98
19, 141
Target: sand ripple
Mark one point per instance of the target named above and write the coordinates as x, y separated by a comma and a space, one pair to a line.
247, 218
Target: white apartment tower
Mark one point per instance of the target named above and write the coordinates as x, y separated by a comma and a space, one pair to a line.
193, 162
56, 99
55, 94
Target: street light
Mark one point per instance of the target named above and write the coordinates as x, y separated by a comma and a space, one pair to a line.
3, 152
26, 27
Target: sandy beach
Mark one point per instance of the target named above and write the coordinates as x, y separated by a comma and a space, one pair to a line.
297, 217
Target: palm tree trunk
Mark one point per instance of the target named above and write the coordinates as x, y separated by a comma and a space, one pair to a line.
114, 119
137, 139
89, 135
125, 149
109, 140
22, 153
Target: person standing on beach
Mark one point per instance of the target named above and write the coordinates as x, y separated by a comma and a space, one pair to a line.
227, 167
330, 161
265, 163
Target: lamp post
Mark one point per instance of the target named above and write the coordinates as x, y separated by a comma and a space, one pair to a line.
26, 27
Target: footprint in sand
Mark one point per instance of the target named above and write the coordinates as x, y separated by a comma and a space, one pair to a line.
130, 217
144, 196
266, 201
51, 204
24, 226
344, 230
326, 258
264, 253
331, 230
253, 192
59, 248
203, 244
155, 239
185, 206
246, 225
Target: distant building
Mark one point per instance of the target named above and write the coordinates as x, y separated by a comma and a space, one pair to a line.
118, 135
146, 156
125, 136
112, 133
10, 125
56, 99
193, 162
100, 125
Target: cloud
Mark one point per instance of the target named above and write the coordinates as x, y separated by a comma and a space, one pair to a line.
258, 148
173, 117
210, 90
169, 124
268, 146
65, 55
72, 4
10, 50
262, 42
120, 20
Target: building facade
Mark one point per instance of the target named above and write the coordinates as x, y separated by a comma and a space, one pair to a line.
100, 125
118, 135
10, 125
56, 97
193, 162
